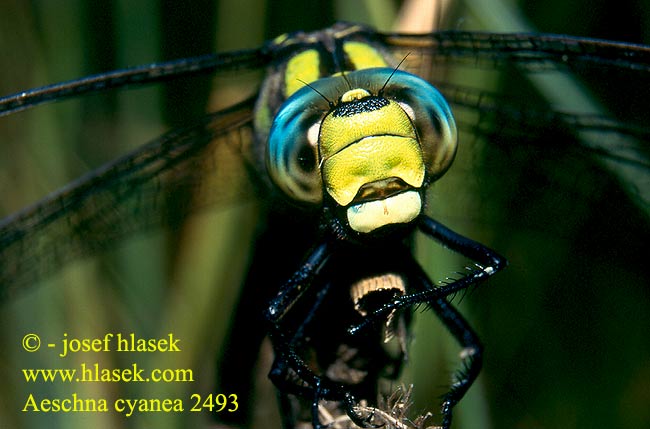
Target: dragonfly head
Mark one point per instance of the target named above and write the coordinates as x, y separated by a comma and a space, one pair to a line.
371, 154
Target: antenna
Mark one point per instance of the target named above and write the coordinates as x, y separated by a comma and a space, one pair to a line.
331, 104
391, 75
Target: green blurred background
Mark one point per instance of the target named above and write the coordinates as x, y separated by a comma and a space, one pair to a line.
577, 358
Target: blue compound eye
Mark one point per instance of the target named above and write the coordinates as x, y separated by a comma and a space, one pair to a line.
292, 156
430, 114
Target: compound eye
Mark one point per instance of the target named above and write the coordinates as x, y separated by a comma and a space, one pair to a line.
307, 153
431, 115
292, 156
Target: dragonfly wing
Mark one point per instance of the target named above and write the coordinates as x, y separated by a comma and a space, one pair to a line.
147, 188
552, 71
134, 77
532, 51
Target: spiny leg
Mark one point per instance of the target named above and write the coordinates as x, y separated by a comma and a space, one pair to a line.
319, 387
286, 381
471, 355
488, 263
289, 294
286, 356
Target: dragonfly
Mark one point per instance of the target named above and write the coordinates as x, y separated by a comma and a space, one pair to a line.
516, 125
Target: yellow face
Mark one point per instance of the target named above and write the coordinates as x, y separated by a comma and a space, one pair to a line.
369, 155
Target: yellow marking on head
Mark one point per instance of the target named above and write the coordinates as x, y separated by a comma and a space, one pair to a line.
368, 146
368, 216
369, 160
354, 94
302, 68
363, 56
338, 132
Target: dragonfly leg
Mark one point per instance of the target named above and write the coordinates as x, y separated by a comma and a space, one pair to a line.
364, 422
290, 373
317, 392
488, 263
293, 289
282, 339
471, 356
472, 350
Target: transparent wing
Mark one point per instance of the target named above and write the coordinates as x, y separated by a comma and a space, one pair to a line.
532, 51
133, 77
525, 100
181, 171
